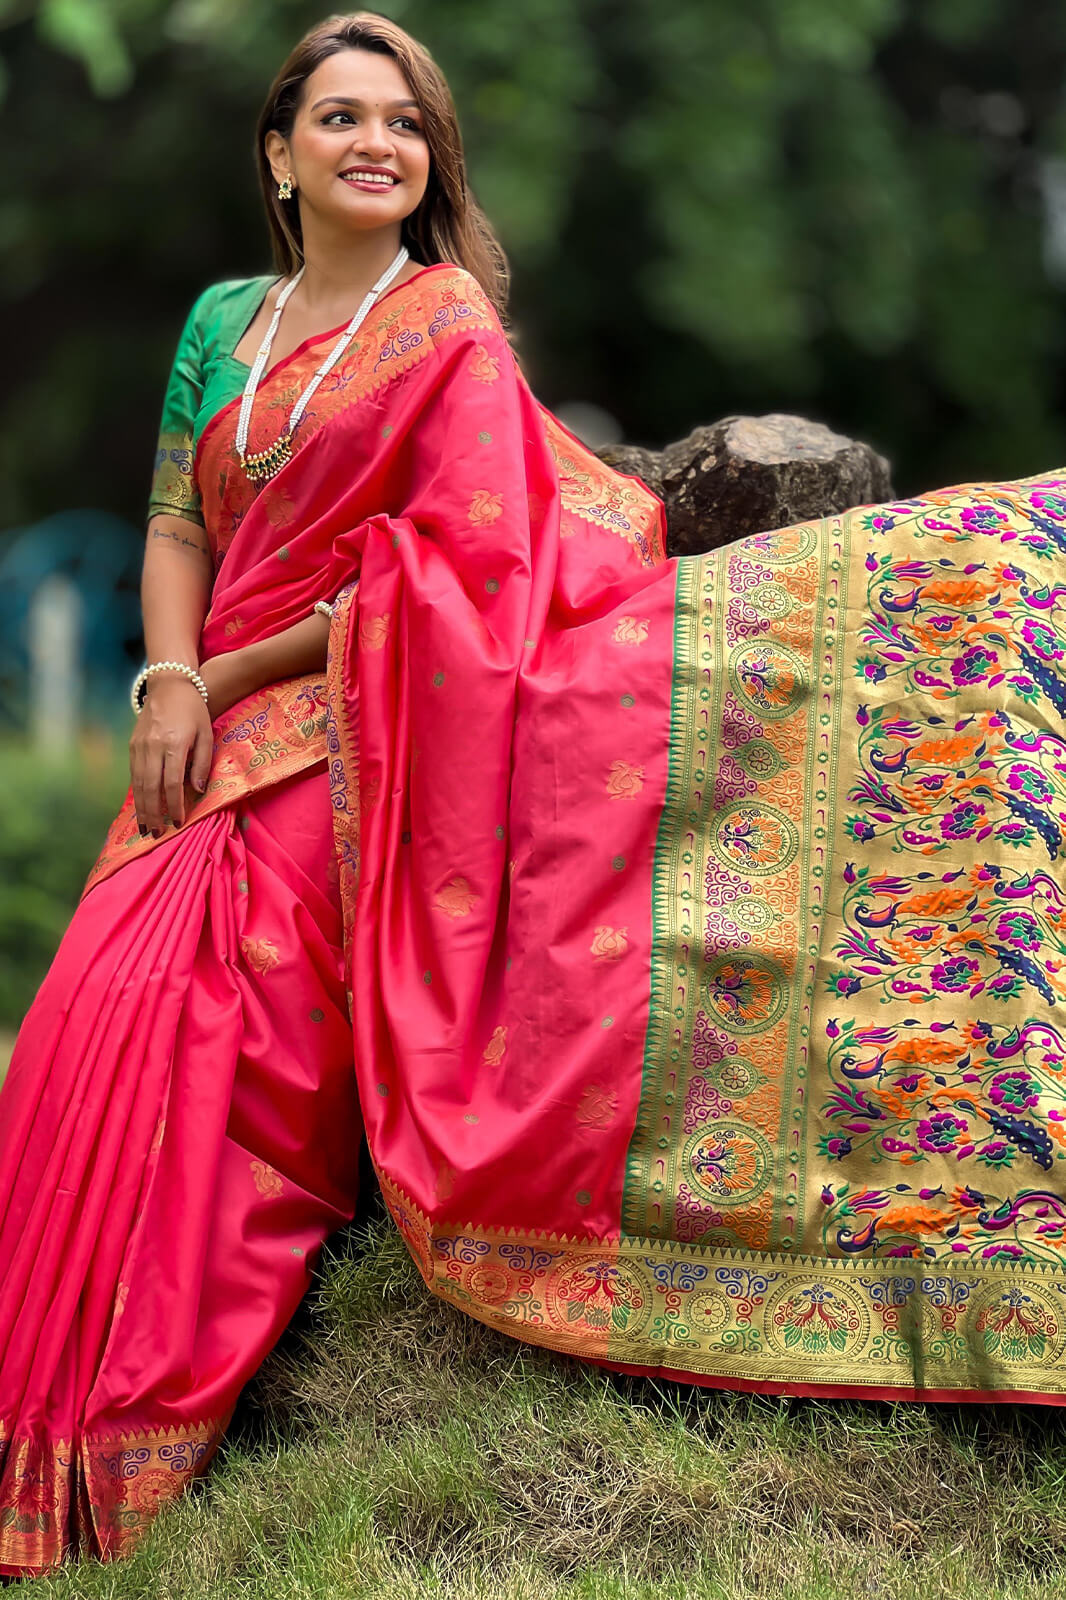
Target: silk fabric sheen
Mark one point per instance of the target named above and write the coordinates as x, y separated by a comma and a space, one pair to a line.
700, 919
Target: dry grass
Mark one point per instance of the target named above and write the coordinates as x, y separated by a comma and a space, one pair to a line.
392, 1448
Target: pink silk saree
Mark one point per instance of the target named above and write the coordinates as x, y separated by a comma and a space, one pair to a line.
700, 922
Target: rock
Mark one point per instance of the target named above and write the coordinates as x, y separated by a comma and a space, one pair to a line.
748, 474
636, 460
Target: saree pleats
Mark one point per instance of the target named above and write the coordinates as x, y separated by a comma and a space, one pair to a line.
179, 1133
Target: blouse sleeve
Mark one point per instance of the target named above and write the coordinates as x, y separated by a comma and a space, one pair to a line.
173, 488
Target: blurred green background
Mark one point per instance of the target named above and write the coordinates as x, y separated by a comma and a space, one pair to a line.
851, 209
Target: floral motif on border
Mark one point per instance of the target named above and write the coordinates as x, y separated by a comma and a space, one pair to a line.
95, 1496
747, 1318
962, 1106
269, 736
717, 1153
604, 497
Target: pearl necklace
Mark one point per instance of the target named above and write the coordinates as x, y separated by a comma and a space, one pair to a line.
263, 464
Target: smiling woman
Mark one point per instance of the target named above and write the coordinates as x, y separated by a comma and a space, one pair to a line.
363, 175
319, 148
687, 936
193, 1036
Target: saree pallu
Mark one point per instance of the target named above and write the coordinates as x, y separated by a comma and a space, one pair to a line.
703, 920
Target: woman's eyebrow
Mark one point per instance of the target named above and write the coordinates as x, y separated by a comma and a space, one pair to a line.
346, 100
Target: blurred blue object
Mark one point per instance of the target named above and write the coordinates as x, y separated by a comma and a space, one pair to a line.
101, 555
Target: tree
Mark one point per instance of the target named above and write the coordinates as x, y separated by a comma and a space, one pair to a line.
842, 207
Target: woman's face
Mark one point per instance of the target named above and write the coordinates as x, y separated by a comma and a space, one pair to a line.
357, 110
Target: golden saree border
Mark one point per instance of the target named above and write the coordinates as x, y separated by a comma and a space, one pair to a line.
342, 750
592, 492
267, 737
716, 1156
96, 1496
866, 1068
747, 1319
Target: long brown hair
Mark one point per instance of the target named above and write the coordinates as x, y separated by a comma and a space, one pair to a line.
448, 224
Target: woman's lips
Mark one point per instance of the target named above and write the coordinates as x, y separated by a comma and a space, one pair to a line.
368, 186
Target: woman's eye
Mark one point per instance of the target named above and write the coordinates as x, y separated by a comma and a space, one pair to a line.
411, 123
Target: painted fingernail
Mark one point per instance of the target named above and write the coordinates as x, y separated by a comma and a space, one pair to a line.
200, 784
142, 830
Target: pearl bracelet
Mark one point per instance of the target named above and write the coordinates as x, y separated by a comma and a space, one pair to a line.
323, 608
140, 683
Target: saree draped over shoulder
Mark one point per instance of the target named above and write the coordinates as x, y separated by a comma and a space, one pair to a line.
688, 935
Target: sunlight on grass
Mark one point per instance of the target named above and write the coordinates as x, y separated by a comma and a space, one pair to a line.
392, 1449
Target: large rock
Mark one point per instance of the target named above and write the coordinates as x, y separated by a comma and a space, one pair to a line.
746, 474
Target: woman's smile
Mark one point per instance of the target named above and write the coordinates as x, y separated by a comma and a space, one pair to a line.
369, 183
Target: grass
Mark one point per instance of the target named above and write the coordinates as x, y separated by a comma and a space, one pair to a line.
392, 1449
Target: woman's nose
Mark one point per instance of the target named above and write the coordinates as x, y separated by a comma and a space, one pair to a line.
378, 139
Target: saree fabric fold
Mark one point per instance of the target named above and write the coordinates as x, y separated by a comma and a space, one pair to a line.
700, 922
179, 1133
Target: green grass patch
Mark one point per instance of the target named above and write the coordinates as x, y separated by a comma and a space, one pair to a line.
393, 1449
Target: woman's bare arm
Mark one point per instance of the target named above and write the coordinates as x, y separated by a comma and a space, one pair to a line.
172, 735
175, 588
296, 650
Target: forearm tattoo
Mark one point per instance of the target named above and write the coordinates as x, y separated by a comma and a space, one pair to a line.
180, 539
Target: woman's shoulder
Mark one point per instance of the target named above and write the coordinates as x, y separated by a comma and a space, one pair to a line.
460, 281
457, 300
228, 290
228, 296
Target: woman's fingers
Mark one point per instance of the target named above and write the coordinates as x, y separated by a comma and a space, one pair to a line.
152, 786
175, 763
137, 784
202, 751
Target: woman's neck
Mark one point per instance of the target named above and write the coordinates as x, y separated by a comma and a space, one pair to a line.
341, 273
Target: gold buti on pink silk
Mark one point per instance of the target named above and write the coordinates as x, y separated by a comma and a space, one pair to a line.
703, 917
704, 932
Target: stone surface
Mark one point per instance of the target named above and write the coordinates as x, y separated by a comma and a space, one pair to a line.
748, 474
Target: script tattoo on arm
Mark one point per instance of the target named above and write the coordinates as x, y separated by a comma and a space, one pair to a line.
180, 539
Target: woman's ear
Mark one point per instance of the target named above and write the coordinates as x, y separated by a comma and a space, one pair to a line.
277, 153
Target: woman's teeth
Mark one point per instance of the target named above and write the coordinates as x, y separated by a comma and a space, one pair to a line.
368, 177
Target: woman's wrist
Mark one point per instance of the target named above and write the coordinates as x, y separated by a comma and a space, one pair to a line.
296, 650
229, 678
172, 670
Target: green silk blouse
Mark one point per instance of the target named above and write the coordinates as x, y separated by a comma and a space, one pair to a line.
205, 377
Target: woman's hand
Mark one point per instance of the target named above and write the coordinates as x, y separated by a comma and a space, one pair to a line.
172, 738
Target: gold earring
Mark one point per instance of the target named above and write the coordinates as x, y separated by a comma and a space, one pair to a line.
285, 187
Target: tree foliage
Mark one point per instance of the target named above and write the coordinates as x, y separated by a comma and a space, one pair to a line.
840, 207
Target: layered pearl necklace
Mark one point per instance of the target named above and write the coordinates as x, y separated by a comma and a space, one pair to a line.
263, 464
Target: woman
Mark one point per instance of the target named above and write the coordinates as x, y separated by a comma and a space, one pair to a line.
695, 927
